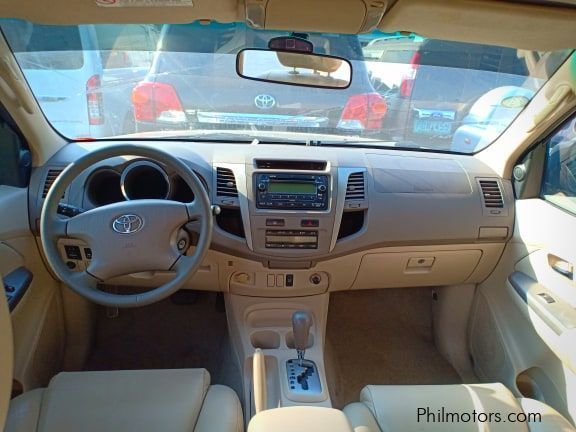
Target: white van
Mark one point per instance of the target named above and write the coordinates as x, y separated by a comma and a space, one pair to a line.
86, 88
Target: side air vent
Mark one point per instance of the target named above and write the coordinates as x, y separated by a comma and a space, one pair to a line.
226, 183
50, 179
355, 186
491, 194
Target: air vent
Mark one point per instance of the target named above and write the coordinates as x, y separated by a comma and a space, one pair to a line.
355, 187
50, 179
291, 165
225, 183
491, 193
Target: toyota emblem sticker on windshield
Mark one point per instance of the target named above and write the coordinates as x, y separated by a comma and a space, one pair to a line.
264, 101
127, 224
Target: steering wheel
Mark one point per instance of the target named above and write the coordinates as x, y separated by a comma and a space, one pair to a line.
130, 236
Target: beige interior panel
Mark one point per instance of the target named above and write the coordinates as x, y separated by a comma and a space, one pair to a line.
485, 21
6, 358
450, 314
376, 268
522, 25
284, 15
37, 322
37, 319
305, 419
16, 96
530, 125
509, 341
89, 11
416, 268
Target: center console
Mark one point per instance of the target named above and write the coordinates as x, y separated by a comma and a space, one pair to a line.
290, 336
302, 419
291, 205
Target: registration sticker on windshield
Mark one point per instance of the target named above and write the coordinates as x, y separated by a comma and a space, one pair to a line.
143, 3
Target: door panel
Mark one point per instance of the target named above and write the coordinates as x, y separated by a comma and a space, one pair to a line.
523, 329
37, 318
6, 358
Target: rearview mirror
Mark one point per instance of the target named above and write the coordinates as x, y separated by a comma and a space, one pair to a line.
294, 68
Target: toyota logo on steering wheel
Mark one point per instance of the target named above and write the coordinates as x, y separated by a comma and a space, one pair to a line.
127, 224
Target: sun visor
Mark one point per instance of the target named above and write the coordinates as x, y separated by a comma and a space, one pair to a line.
342, 16
122, 11
518, 25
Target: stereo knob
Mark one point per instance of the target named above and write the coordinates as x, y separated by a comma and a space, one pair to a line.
262, 186
322, 188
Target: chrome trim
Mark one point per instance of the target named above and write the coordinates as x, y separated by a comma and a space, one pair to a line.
147, 163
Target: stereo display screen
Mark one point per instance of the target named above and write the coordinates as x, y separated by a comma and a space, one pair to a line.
291, 188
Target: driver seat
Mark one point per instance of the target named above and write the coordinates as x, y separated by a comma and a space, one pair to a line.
167, 400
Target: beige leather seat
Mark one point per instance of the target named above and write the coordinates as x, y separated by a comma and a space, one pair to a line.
395, 408
174, 400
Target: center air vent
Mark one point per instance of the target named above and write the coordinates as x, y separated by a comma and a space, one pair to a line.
50, 179
291, 165
355, 186
491, 194
226, 183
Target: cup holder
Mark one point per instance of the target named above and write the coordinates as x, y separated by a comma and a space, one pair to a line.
265, 339
290, 340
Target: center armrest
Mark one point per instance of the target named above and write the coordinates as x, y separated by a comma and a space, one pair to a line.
300, 418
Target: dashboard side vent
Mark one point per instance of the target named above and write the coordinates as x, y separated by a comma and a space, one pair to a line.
50, 179
355, 186
491, 193
226, 183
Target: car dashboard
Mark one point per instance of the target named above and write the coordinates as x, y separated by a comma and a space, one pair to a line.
299, 220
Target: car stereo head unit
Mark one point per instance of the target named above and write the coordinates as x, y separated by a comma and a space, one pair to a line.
291, 191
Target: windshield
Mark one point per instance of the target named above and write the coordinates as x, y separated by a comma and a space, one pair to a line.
180, 81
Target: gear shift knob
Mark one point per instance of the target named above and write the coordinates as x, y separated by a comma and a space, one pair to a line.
301, 323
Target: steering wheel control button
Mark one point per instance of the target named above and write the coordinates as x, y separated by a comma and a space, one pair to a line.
88, 253
71, 265
127, 224
275, 222
72, 252
289, 280
271, 281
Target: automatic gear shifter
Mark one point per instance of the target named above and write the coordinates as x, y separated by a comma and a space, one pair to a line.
301, 323
303, 378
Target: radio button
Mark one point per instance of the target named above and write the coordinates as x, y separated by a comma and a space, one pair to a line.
310, 223
275, 222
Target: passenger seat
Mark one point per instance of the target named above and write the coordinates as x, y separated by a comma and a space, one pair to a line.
391, 408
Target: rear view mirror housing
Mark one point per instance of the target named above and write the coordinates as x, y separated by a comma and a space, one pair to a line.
294, 67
